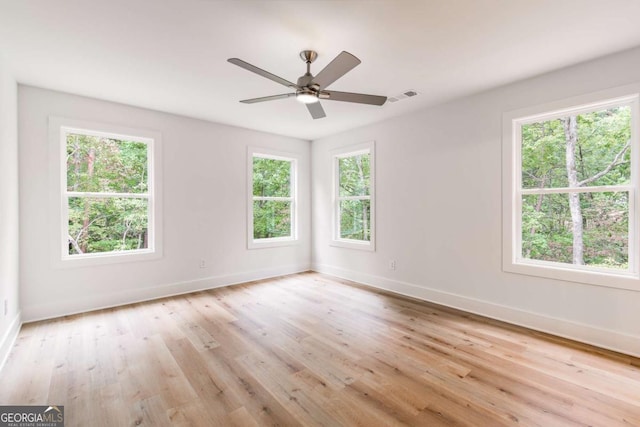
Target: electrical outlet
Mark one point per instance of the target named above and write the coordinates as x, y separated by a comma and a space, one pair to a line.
392, 264
203, 264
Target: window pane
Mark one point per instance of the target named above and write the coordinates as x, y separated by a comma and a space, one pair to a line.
606, 229
354, 174
106, 225
543, 155
548, 228
271, 219
271, 177
596, 143
99, 164
355, 219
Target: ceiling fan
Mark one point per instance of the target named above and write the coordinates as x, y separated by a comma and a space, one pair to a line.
310, 89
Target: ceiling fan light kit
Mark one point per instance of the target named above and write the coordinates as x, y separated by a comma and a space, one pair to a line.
309, 89
306, 96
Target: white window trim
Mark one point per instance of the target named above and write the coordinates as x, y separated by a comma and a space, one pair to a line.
275, 241
353, 150
512, 260
58, 129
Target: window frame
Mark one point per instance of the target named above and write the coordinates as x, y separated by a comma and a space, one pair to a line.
59, 128
272, 242
336, 155
512, 260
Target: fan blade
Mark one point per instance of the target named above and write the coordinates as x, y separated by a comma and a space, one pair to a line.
360, 98
341, 65
259, 71
267, 98
316, 110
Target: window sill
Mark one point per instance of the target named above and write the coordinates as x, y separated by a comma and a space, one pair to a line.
272, 243
353, 244
90, 260
585, 275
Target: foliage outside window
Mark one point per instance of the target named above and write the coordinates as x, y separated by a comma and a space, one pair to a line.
106, 194
272, 212
575, 190
353, 197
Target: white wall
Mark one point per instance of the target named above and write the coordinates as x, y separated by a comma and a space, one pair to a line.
9, 242
439, 212
204, 181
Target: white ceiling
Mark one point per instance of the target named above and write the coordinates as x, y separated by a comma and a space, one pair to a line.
171, 55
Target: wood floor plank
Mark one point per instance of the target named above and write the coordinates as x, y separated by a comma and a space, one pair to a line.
242, 418
286, 392
313, 350
149, 412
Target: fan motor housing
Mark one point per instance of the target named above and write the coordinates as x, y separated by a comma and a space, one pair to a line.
305, 81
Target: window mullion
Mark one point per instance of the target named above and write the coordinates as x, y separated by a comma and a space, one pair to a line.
274, 199
562, 190
354, 197
106, 195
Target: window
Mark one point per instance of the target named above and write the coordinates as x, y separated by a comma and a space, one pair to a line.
107, 192
573, 196
354, 197
272, 201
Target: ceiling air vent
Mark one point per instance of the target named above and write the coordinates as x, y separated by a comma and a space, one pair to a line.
406, 94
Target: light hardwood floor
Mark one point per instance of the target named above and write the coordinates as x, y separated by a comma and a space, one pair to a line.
311, 350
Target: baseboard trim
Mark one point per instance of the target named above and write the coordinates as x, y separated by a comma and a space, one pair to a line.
599, 337
9, 338
37, 312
